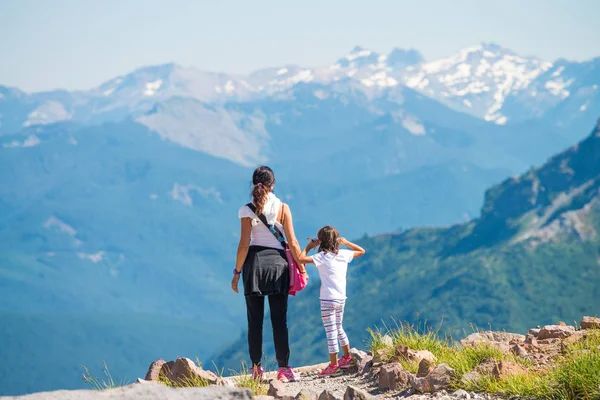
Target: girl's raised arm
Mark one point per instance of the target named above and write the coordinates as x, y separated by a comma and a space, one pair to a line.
358, 251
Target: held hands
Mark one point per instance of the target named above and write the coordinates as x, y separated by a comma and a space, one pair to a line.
305, 274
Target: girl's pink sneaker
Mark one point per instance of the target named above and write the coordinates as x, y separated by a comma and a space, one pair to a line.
331, 370
286, 375
346, 362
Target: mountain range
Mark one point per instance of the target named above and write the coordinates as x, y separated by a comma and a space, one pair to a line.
533, 252
118, 204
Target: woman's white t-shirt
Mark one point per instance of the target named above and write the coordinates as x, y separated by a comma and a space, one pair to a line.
332, 271
260, 234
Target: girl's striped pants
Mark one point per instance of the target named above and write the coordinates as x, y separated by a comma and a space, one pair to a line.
332, 312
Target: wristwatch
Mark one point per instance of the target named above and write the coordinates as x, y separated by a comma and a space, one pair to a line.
235, 272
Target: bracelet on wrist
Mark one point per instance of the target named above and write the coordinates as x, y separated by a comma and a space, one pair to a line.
236, 272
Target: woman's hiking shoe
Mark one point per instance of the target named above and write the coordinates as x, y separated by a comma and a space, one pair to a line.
257, 372
346, 362
331, 370
286, 375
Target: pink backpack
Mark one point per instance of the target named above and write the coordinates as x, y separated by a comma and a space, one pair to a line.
297, 280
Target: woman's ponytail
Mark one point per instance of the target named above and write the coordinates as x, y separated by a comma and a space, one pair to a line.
263, 180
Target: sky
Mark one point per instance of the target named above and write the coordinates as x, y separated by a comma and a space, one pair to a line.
78, 44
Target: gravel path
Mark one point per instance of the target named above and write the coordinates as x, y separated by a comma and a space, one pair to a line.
312, 385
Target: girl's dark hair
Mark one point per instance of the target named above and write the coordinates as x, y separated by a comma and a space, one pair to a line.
328, 236
263, 180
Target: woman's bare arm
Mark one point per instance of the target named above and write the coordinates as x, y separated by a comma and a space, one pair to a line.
242, 250
288, 227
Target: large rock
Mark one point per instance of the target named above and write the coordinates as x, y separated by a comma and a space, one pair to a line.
590, 323
153, 373
184, 370
392, 377
499, 340
440, 378
555, 332
143, 392
354, 393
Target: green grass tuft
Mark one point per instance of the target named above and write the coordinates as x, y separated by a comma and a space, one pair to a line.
244, 379
107, 382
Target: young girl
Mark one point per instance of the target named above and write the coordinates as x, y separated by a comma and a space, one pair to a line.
332, 264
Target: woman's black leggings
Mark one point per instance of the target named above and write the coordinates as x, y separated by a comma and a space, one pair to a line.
255, 306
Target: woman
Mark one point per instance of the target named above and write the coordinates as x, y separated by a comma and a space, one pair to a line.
262, 262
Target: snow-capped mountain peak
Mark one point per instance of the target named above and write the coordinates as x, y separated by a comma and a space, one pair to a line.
477, 79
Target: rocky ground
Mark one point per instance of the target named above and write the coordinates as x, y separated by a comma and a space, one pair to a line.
353, 385
375, 376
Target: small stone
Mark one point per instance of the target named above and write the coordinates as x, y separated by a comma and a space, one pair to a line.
555, 332
357, 355
276, 389
440, 378
576, 337
153, 373
424, 355
518, 350
531, 340
462, 394
380, 356
307, 394
590, 323
392, 377
499, 340
365, 365
425, 367
404, 352
561, 323
387, 340
471, 377
503, 369
534, 332
328, 395
354, 393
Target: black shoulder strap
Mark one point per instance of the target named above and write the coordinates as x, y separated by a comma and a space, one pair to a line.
276, 232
